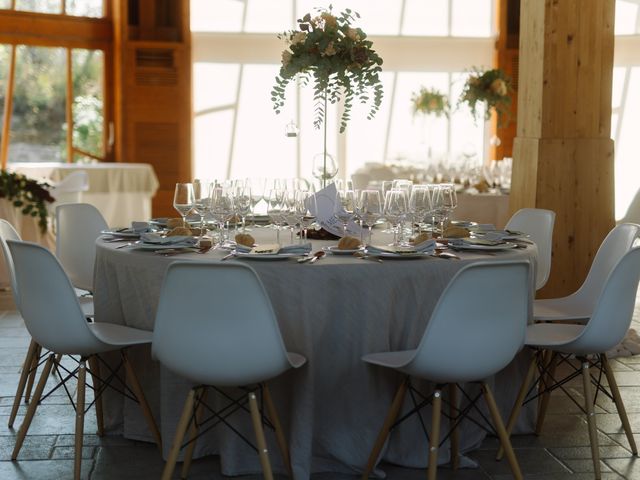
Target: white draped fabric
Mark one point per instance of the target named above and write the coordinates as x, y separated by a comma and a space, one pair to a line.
332, 312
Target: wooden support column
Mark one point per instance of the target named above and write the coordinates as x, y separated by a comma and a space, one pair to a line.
563, 153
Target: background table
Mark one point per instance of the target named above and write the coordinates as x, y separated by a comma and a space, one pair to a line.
333, 312
121, 191
490, 208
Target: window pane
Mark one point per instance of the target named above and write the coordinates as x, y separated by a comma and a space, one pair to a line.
85, 8
40, 6
5, 55
426, 18
39, 98
471, 18
88, 102
268, 16
626, 17
219, 16
5, 4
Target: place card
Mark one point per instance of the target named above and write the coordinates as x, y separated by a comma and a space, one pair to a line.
325, 216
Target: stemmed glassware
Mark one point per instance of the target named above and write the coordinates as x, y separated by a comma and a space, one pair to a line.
183, 200
242, 202
305, 208
345, 208
319, 171
222, 208
449, 201
202, 203
395, 211
369, 209
419, 205
275, 207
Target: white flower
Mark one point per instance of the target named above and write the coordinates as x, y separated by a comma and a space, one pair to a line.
352, 33
298, 37
286, 58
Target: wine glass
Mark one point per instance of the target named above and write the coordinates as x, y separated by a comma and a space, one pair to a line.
242, 202
274, 209
345, 208
419, 205
306, 208
221, 208
183, 200
395, 210
202, 202
289, 213
370, 209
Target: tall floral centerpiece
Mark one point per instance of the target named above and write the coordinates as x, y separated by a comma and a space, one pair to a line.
338, 60
491, 87
429, 103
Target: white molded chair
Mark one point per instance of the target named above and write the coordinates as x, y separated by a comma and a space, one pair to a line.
237, 343
606, 327
538, 223
476, 328
29, 367
579, 306
78, 227
55, 320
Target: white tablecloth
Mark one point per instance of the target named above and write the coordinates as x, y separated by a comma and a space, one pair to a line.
28, 229
121, 191
332, 312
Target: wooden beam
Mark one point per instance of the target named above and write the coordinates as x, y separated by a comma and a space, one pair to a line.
8, 109
69, 106
563, 153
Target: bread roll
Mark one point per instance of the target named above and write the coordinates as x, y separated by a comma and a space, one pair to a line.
456, 232
348, 243
423, 237
245, 239
179, 231
174, 222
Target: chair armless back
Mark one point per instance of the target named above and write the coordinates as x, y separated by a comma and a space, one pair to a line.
7, 232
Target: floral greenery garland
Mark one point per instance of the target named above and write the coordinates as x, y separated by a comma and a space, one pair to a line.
430, 101
337, 57
27, 194
491, 87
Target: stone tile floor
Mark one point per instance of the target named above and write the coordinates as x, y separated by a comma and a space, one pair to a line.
561, 452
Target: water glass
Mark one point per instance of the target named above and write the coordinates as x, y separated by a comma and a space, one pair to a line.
183, 200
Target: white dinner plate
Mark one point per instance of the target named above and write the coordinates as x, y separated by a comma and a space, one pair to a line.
334, 250
501, 246
158, 246
504, 234
119, 232
412, 255
268, 256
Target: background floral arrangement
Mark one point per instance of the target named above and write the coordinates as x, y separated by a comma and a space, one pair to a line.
491, 87
27, 194
337, 58
429, 101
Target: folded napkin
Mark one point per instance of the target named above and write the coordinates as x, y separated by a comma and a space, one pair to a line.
156, 239
424, 247
301, 249
140, 227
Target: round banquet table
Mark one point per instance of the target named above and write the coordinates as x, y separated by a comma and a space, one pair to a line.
332, 312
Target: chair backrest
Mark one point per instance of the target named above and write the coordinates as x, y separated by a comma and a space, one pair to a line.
215, 325
538, 223
78, 227
614, 308
7, 232
478, 324
48, 303
615, 245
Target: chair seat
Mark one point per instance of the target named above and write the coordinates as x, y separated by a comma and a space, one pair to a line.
119, 335
565, 308
397, 359
552, 334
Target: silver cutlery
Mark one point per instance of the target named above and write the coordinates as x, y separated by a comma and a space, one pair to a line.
228, 256
130, 244
312, 257
317, 256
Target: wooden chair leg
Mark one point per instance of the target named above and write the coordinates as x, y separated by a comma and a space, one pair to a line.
455, 435
436, 412
392, 415
32, 373
94, 368
262, 443
622, 412
193, 431
181, 429
142, 400
517, 406
24, 428
275, 420
502, 433
591, 419
82, 379
544, 403
26, 370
